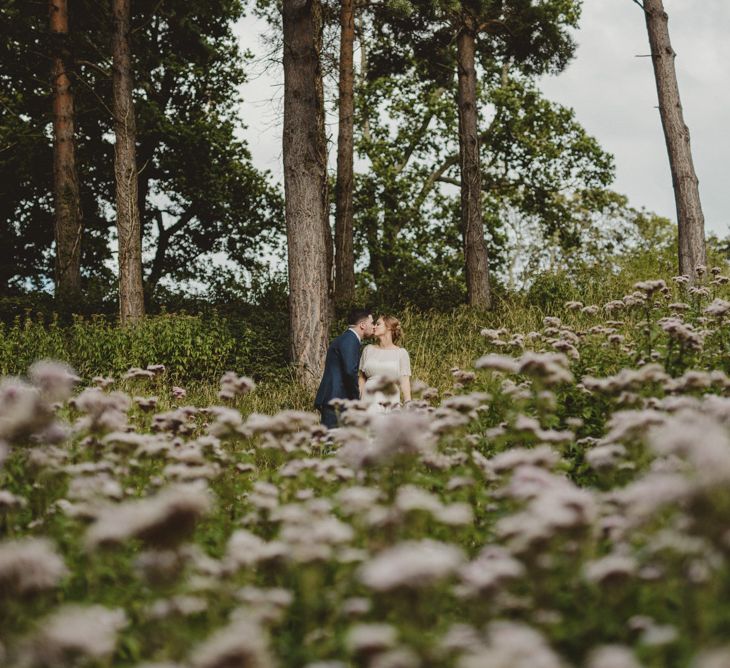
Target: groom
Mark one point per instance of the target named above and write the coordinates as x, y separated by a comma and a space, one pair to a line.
340, 378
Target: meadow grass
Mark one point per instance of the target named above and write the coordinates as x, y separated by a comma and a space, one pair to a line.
562, 501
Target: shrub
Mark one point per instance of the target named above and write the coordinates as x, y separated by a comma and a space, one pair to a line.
550, 290
191, 347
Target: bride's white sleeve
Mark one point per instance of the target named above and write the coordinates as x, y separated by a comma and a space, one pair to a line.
405, 363
363, 355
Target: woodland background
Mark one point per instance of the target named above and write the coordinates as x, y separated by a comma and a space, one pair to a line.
211, 227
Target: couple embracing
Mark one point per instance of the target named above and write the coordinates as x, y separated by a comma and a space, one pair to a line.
350, 374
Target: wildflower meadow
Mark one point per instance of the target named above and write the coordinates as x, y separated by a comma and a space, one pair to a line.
560, 497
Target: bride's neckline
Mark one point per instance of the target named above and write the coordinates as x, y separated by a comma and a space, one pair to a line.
379, 347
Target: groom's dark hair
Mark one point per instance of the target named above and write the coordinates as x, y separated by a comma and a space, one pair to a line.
356, 315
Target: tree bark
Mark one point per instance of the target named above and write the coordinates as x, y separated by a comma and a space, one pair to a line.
475, 249
305, 189
68, 224
344, 253
363, 73
690, 220
131, 291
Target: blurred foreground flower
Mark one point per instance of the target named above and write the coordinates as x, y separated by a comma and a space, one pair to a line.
75, 634
55, 380
698, 439
492, 568
367, 639
714, 658
233, 385
28, 565
23, 410
512, 645
243, 643
612, 656
103, 412
412, 564
163, 520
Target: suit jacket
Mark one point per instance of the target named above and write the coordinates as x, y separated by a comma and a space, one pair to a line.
340, 377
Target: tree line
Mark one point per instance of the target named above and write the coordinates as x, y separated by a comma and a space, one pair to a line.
443, 107
432, 40
197, 192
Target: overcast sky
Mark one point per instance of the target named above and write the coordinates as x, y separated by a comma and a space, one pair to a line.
612, 92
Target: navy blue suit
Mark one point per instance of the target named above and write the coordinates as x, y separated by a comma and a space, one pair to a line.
340, 377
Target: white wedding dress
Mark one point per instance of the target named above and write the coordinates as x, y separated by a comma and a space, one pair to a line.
378, 363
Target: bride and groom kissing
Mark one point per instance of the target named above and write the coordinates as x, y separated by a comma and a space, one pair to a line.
352, 374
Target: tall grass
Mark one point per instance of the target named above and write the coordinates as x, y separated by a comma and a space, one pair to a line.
197, 349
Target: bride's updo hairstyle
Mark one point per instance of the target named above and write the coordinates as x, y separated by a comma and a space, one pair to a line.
393, 324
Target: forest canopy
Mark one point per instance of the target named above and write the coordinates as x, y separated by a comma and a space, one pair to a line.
211, 221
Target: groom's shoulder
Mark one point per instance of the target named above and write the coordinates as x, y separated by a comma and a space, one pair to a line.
348, 336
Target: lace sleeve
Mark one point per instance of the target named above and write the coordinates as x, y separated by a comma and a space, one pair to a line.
405, 363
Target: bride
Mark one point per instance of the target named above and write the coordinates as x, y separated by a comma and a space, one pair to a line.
385, 368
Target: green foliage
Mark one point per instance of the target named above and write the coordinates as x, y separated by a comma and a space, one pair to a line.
199, 193
537, 161
534, 36
549, 291
192, 348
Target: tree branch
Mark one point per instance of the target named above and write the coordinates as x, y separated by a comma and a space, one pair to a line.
164, 234
94, 66
450, 181
144, 24
489, 26
450, 161
418, 135
161, 95
435, 176
160, 225
99, 51
78, 77
487, 187
35, 130
181, 222
11, 111
640, 3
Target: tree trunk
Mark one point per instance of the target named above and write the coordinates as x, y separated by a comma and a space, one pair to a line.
344, 253
690, 220
68, 220
157, 267
131, 292
305, 189
144, 154
475, 249
363, 74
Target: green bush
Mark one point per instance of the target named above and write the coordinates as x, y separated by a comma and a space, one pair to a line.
191, 347
549, 291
